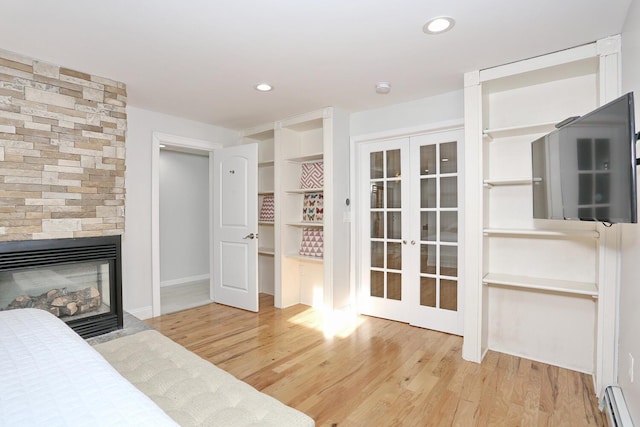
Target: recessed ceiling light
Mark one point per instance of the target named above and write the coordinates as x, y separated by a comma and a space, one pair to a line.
264, 87
438, 25
383, 87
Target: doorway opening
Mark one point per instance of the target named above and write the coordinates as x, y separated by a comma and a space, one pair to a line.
186, 289
184, 229
407, 189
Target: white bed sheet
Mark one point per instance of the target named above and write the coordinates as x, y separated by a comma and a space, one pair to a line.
49, 376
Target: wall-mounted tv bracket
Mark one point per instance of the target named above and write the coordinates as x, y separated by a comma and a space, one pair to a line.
567, 121
637, 138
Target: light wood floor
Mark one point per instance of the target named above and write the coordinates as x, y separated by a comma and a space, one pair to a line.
379, 372
187, 295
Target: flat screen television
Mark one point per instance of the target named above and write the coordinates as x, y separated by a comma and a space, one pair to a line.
586, 169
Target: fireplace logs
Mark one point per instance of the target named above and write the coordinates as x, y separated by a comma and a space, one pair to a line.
61, 302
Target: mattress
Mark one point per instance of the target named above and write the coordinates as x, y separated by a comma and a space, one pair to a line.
49, 376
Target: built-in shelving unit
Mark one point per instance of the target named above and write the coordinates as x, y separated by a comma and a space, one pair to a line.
297, 256
527, 129
535, 283
548, 234
541, 289
312, 157
301, 142
264, 137
509, 181
305, 224
305, 190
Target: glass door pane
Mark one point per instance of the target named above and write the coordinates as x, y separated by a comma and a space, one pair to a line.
438, 222
385, 209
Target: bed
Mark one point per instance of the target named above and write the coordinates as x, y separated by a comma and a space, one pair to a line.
50, 376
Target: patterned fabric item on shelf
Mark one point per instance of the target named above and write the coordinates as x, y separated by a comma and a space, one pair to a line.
312, 242
312, 175
312, 207
266, 210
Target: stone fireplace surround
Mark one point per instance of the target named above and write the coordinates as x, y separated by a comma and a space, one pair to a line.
62, 151
62, 159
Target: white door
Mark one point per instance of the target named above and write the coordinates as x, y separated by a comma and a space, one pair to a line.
235, 227
409, 230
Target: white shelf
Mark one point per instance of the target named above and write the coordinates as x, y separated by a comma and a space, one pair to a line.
535, 283
266, 223
306, 158
265, 193
304, 190
494, 133
305, 258
305, 224
509, 181
266, 163
266, 251
549, 234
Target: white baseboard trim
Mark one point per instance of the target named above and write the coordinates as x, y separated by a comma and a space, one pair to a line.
182, 280
541, 360
141, 313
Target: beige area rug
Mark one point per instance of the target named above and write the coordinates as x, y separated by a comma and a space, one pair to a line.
191, 390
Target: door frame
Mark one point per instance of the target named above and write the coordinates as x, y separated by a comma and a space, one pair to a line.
356, 144
187, 145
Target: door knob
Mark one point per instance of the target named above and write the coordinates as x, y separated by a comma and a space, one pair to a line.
250, 236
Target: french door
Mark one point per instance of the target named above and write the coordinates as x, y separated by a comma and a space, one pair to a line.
408, 235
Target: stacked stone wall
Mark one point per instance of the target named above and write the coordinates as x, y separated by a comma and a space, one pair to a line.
62, 151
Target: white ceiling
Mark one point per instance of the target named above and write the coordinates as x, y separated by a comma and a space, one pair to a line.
199, 59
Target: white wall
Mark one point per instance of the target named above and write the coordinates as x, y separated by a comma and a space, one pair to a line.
136, 241
435, 109
629, 326
184, 217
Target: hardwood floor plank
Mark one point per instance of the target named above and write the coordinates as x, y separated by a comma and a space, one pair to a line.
378, 372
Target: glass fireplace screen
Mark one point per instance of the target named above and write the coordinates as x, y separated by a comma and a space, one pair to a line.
69, 291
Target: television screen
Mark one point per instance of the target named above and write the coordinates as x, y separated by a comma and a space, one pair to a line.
586, 170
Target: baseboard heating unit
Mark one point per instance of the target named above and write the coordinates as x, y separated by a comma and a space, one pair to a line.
615, 407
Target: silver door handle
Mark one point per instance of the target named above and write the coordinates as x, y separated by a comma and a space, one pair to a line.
251, 236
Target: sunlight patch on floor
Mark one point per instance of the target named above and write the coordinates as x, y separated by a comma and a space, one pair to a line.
339, 323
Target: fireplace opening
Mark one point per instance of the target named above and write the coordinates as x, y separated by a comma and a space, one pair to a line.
78, 280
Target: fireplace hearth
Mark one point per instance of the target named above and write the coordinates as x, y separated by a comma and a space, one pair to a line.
78, 280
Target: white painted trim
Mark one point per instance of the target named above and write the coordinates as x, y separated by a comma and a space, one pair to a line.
182, 280
534, 359
540, 62
473, 344
606, 362
142, 313
609, 45
354, 249
180, 142
325, 113
443, 126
